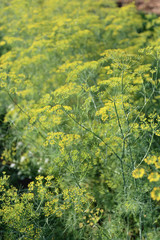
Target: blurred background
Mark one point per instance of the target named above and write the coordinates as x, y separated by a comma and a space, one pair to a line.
149, 6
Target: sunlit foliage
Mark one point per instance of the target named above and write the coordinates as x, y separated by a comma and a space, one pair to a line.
80, 103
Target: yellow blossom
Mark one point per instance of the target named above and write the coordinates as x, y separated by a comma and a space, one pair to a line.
157, 164
150, 160
138, 173
80, 225
155, 194
153, 177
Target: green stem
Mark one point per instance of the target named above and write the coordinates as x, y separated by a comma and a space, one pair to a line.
123, 148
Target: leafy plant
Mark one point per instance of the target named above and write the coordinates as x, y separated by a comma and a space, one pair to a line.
80, 91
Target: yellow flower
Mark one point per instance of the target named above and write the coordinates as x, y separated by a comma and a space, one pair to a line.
80, 225
138, 173
157, 163
155, 194
153, 177
150, 160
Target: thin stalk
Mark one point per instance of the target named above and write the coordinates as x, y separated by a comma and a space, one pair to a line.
119, 124
129, 145
150, 144
140, 224
74, 175
123, 148
90, 93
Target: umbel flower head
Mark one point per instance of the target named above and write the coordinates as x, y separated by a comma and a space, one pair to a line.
138, 173
155, 194
153, 177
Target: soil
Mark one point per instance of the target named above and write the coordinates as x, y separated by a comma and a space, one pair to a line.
149, 6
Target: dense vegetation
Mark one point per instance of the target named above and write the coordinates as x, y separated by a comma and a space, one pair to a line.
80, 121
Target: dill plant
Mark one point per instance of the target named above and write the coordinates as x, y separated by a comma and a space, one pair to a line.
80, 82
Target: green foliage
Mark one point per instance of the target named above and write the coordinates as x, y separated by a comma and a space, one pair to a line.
80, 104
30, 215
